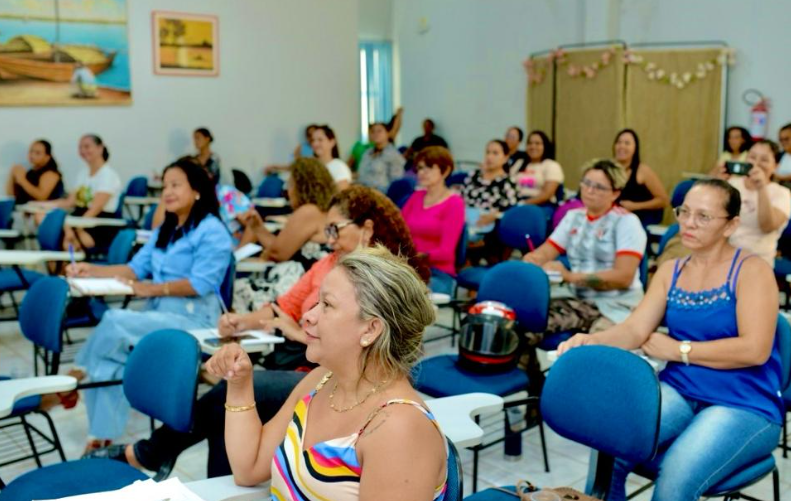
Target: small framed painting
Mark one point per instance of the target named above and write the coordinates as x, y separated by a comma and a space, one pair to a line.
185, 44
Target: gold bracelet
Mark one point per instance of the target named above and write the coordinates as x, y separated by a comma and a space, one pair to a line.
167, 288
239, 408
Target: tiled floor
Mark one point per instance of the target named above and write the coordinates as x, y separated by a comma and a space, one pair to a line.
568, 460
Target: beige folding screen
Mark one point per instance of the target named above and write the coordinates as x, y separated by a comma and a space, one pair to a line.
541, 95
674, 103
589, 107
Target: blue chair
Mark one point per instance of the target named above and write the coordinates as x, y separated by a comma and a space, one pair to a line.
516, 223
680, 191
455, 482
400, 190
161, 380
148, 220
671, 232
50, 231
137, 187
605, 398
44, 326
525, 288
7, 213
120, 250
270, 187
226, 288
457, 179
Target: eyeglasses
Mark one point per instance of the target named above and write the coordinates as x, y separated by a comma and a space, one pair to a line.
700, 218
332, 229
597, 187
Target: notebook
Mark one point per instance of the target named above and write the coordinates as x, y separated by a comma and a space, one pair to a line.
100, 287
143, 490
245, 251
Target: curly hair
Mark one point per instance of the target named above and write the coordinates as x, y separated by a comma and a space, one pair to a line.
359, 203
312, 183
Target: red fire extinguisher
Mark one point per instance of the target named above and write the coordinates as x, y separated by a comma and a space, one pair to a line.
759, 113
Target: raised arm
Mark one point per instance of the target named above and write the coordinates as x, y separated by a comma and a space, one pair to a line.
250, 445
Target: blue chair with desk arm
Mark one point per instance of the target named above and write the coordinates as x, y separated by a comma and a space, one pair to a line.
50, 238
516, 223
617, 413
166, 393
43, 327
137, 187
400, 190
525, 288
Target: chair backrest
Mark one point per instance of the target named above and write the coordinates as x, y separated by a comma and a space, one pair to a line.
270, 187
671, 232
7, 213
137, 187
461, 248
563, 208
456, 179
148, 220
226, 288
401, 189
121, 247
242, 182
161, 377
50, 231
783, 343
680, 191
522, 286
42, 312
455, 481
522, 220
606, 398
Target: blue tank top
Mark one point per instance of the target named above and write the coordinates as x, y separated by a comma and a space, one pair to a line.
708, 315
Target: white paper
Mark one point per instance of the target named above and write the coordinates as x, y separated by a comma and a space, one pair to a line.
143, 490
101, 287
261, 337
246, 251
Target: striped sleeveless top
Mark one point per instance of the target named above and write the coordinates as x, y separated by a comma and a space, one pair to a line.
329, 470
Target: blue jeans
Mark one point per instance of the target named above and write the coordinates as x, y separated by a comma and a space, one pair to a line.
441, 282
699, 446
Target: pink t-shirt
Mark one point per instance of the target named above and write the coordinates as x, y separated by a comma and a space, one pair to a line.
436, 229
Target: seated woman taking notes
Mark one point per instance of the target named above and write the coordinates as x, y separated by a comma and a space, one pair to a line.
186, 259
354, 428
721, 404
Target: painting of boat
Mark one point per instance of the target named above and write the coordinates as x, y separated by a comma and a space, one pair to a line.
56, 52
29, 56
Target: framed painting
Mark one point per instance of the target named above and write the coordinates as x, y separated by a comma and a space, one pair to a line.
58, 52
185, 44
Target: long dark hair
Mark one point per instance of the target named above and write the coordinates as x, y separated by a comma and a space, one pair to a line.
52, 164
330, 135
747, 140
205, 205
549, 146
98, 142
635, 163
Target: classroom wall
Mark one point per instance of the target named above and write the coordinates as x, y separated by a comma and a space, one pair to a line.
283, 64
461, 60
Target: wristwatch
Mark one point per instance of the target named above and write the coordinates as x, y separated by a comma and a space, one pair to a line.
685, 347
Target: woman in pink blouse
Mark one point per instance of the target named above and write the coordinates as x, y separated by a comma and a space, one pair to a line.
435, 216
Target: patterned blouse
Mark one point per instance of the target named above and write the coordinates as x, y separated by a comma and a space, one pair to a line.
487, 195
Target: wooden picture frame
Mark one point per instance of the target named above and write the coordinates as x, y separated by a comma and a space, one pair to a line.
185, 44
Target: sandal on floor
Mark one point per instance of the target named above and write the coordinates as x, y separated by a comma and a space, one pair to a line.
95, 444
116, 452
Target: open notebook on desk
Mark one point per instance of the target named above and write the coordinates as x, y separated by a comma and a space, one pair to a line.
247, 250
142, 490
249, 338
100, 287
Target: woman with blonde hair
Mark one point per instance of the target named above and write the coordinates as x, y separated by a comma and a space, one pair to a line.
367, 433
300, 243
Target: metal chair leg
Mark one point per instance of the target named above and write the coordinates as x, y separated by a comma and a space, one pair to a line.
543, 442
785, 436
776, 483
29, 435
55, 438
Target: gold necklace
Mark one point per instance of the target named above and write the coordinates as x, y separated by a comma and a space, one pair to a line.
356, 402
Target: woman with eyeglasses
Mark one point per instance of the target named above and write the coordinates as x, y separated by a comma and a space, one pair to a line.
359, 217
604, 245
722, 408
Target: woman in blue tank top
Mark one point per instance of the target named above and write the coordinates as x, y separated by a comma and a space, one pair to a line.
721, 404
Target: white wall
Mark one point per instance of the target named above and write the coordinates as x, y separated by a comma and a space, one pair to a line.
759, 31
376, 20
283, 64
465, 70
